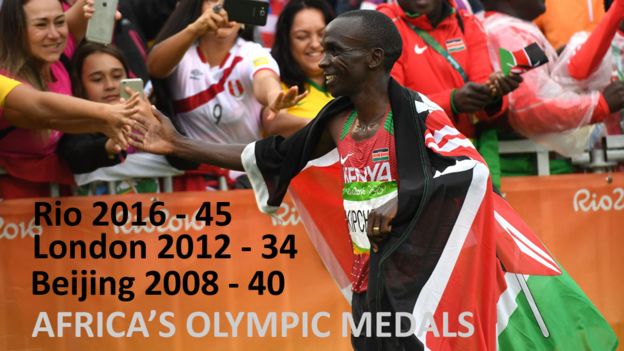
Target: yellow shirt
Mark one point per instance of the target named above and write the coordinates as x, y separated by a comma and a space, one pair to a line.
310, 106
6, 86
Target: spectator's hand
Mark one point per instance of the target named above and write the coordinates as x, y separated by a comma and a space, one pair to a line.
121, 118
378, 226
472, 97
211, 20
614, 95
111, 147
155, 134
284, 100
89, 9
500, 85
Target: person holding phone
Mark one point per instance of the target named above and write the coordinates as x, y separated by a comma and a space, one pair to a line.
97, 71
33, 37
218, 82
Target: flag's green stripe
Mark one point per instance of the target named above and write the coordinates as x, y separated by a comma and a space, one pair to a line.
572, 320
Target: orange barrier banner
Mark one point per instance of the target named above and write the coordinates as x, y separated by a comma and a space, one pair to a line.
191, 271
580, 218
185, 271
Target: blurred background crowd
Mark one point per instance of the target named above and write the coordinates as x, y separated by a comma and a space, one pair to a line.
216, 83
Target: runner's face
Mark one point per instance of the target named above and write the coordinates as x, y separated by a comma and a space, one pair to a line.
423, 7
46, 28
101, 77
346, 58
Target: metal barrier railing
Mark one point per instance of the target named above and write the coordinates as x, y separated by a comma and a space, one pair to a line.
598, 160
526, 146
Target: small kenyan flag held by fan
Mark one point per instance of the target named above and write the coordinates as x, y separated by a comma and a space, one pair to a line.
522, 60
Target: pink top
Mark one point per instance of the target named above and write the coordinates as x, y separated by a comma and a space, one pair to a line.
21, 147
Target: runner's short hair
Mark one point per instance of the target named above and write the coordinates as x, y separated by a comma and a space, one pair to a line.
380, 32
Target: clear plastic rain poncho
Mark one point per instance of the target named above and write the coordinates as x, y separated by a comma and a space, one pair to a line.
549, 107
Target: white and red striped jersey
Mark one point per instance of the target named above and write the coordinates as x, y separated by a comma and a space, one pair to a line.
217, 103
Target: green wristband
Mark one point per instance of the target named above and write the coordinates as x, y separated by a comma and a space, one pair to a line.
453, 108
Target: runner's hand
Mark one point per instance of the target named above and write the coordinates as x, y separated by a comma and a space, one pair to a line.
378, 225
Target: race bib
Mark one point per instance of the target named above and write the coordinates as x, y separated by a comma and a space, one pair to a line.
359, 199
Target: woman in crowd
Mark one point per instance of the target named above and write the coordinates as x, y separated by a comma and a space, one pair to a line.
298, 51
218, 81
34, 36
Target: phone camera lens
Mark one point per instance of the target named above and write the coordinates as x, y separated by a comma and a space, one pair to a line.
104, 4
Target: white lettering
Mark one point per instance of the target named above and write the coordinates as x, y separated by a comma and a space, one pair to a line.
137, 325
20, 230
43, 325
234, 323
379, 173
84, 324
381, 324
349, 324
270, 321
286, 215
315, 327
206, 324
167, 324
467, 324
172, 225
586, 201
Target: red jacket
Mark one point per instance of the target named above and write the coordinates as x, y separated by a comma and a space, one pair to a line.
422, 69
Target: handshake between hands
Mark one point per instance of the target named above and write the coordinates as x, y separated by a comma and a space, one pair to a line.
135, 122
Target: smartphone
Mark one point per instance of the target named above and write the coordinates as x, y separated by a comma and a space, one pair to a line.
101, 26
251, 12
136, 84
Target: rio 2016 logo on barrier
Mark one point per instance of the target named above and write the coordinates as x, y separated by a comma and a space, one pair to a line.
20, 230
586, 201
287, 215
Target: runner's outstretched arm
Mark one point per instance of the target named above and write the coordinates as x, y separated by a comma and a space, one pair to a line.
158, 136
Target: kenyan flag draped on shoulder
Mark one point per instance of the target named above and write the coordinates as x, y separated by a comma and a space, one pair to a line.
539, 307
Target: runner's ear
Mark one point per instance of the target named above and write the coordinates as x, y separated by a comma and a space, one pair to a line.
375, 58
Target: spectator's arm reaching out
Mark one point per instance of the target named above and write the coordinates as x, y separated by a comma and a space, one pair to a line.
166, 55
29, 108
282, 123
268, 91
78, 16
76, 20
157, 135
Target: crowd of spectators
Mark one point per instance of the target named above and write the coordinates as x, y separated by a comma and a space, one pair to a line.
227, 82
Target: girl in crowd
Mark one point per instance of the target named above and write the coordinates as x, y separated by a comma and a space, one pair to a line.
97, 71
218, 81
298, 51
34, 36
